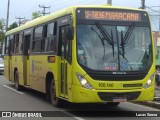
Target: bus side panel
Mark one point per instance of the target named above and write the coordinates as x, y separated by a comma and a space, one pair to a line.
7, 66
11, 69
18, 64
31, 71
39, 67
38, 72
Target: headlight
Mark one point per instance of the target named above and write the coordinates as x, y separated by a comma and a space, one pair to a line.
149, 82
84, 82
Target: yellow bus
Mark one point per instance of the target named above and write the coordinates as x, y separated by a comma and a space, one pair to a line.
84, 54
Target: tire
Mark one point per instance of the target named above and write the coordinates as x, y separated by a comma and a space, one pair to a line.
113, 103
16, 80
53, 97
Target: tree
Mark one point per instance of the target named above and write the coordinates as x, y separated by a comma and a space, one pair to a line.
2, 34
36, 15
12, 26
1, 24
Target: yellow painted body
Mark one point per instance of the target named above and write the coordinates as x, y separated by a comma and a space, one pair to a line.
33, 72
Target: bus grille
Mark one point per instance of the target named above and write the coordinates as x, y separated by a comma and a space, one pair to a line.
132, 85
108, 96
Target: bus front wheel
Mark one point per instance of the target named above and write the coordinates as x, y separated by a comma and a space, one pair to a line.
54, 99
113, 103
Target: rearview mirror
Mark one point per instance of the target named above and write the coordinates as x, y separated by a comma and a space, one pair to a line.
70, 33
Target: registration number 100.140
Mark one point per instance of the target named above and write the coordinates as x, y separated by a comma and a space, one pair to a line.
106, 85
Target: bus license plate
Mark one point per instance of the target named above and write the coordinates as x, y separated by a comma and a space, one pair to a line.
119, 99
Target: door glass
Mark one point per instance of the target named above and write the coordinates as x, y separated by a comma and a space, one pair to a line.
62, 47
27, 44
65, 50
62, 58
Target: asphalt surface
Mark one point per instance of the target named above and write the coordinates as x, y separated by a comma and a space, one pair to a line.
32, 101
157, 91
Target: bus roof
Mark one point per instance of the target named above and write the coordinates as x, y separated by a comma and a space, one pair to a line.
60, 13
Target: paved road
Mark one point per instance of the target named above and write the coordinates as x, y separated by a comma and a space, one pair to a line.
29, 100
157, 91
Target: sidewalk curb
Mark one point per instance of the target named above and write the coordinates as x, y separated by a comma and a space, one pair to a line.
149, 104
157, 88
153, 103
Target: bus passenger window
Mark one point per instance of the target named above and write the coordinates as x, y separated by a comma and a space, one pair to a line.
20, 44
16, 43
44, 37
11, 44
36, 46
7, 45
50, 44
50, 30
37, 41
50, 40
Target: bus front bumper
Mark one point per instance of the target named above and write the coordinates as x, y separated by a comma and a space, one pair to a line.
83, 95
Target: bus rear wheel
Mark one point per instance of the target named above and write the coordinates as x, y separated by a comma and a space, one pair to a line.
54, 99
16, 81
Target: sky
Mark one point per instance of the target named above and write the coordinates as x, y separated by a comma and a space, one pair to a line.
24, 8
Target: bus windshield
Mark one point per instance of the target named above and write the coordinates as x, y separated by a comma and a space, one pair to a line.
114, 47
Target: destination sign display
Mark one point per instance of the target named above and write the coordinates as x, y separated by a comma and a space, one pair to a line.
112, 15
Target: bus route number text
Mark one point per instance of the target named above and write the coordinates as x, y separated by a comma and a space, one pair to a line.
106, 85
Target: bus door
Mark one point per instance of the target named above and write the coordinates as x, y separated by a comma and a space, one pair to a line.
26, 63
65, 67
11, 42
7, 58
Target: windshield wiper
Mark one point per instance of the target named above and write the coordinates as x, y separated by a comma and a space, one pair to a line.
106, 36
128, 33
123, 49
98, 35
124, 41
122, 44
